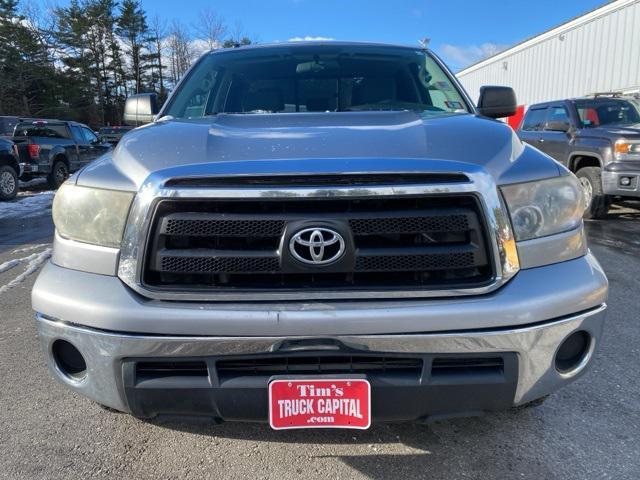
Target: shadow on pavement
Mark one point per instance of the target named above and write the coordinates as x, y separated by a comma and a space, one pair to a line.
409, 450
416, 435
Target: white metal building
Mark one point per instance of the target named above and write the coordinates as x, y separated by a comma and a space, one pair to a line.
596, 52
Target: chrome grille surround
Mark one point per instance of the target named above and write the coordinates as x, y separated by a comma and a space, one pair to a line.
135, 239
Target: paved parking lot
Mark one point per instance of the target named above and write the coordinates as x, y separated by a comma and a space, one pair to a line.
586, 431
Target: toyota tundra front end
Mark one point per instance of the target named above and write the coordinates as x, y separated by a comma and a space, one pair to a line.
320, 235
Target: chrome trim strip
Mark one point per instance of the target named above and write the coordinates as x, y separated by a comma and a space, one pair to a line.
153, 190
535, 345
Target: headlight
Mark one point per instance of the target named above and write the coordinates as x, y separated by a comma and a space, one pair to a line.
627, 150
544, 207
91, 215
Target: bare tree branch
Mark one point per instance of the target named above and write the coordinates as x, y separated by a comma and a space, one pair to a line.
211, 28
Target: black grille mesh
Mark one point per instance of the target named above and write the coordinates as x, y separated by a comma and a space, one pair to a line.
274, 365
393, 242
232, 228
369, 226
219, 264
385, 263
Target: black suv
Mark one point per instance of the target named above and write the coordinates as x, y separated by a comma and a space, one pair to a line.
597, 138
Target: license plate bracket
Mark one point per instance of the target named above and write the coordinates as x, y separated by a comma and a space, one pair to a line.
319, 403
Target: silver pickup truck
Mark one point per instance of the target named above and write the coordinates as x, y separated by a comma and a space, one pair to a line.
320, 235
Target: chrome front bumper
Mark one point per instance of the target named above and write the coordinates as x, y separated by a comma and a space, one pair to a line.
535, 346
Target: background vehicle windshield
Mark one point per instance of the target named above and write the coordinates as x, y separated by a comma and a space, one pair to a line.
594, 113
113, 130
40, 130
316, 79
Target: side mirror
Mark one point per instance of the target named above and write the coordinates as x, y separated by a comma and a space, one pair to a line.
557, 126
140, 109
497, 102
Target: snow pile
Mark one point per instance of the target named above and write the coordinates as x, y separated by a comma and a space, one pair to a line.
31, 262
31, 206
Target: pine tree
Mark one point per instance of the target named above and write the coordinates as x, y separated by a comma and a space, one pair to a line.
26, 75
81, 61
132, 29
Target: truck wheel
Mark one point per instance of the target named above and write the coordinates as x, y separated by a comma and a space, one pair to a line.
8, 183
59, 173
597, 202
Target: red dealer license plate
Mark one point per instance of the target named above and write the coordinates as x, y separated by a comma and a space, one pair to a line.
326, 403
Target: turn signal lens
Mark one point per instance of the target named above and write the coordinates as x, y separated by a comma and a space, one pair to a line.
626, 150
622, 147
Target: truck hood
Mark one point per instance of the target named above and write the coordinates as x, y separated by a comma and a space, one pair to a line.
318, 143
615, 131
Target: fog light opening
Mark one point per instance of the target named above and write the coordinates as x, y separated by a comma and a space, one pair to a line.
574, 353
69, 361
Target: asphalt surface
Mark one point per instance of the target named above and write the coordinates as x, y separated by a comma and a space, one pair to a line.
588, 430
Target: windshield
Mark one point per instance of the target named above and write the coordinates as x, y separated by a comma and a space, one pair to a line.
324, 78
113, 130
595, 113
7, 125
40, 130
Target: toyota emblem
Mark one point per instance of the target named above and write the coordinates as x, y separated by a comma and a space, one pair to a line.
317, 246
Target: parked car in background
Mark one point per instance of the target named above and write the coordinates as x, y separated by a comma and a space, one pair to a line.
55, 148
9, 170
597, 138
113, 134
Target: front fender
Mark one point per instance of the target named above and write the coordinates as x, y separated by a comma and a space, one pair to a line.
598, 148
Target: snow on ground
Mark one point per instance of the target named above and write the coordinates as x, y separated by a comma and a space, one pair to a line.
31, 263
33, 200
30, 248
27, 205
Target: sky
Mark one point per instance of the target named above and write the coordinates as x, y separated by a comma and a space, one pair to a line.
460, 31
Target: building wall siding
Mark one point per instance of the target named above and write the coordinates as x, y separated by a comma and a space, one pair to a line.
595, 53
